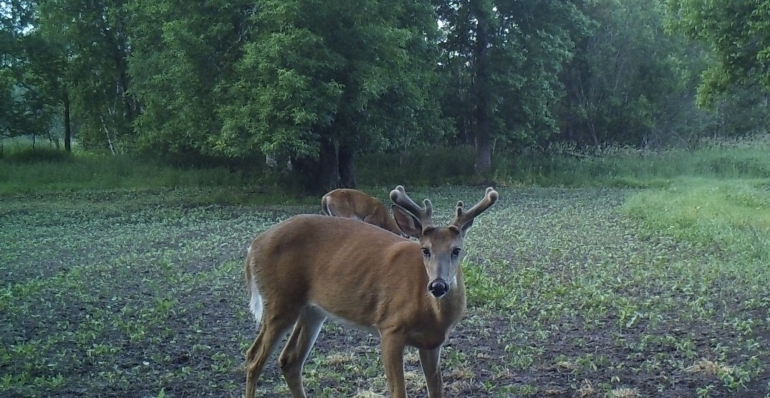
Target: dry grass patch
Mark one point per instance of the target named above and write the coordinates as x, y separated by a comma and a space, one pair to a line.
462, 374
623, 392
586, 389
705, 366
411, 358
458, 387
338, 359
368, 394
414, 379
503, 374
564, 365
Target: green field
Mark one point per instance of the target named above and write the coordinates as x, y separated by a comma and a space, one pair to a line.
572, 292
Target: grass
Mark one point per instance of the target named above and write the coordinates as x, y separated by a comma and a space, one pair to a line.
48, 170
565, 166
45, 169
733, 216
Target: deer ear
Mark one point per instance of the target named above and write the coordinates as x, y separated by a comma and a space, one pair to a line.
408, 223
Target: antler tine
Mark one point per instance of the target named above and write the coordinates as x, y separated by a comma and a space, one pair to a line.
399, 197
462, 217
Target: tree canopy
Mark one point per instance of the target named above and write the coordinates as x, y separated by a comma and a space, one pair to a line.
319, 82
738, 35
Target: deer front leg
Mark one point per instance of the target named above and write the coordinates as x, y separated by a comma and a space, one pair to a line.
429, 359
392, 346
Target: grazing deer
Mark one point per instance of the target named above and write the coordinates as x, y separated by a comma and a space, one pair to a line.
351, 203
311, 267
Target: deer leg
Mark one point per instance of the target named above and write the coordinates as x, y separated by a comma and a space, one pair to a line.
392, 346
273, 329
298, 348
429, 359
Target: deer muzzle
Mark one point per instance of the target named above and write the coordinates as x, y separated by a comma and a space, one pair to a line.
438, 287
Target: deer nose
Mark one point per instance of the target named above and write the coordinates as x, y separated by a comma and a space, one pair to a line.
438, 288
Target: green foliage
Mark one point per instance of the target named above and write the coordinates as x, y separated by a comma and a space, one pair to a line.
733, 215
25, 101
322, 83
426, 166
501, 62
738, 31
182, 52
46, 169
630, 83
310, 76
29, 155
92, 40
50, 170
11, 109
566, 166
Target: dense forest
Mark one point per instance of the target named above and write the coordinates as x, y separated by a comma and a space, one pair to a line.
318, 83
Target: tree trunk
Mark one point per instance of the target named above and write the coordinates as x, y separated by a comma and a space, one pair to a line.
322, 175
483, 151
328, 172
481, 92
67, 123
345, 161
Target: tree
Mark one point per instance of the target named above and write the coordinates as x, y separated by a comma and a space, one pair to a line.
738, 32
20, 109
182, 52
46, 75
323, 80
504, 58
630, 82
94, 38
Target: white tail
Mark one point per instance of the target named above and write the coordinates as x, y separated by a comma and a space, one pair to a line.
351, 203
412, 293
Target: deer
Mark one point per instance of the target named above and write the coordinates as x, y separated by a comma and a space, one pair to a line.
351, 203
311, 267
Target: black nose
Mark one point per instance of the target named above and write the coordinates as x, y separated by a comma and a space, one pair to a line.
438, 288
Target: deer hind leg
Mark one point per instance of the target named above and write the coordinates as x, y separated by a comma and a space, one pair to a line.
298, 348
274, 327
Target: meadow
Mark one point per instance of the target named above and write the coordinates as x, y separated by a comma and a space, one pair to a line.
616, 275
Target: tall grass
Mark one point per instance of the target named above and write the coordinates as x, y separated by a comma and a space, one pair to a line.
731, 215
45, 169
563, 165
624, 166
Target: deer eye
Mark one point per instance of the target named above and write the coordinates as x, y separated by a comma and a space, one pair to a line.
425, 252
455, 252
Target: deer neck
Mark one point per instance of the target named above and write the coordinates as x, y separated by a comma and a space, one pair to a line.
392, 226
431, 330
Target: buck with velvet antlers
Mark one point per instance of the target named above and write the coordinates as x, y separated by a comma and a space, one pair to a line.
351, 203
311, 267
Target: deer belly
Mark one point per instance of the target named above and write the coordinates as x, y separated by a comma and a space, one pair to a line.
346, 322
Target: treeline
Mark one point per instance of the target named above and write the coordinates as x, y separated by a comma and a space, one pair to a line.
320, 82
